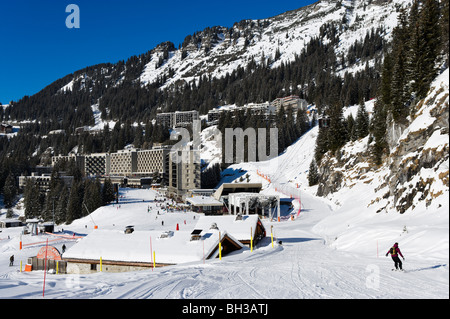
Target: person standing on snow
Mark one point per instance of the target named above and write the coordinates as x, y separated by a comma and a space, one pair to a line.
395, 251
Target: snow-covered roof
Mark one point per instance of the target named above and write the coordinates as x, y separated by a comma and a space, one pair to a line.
203, 201
113, 245
236, 227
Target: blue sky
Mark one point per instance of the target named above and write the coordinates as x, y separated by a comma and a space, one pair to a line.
36, 47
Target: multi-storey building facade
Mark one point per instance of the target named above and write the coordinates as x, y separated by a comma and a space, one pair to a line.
43, 180
180, 176
185, 118
123, 163
184, 174
97, 164
177, 119
292, 101
153, 161
264, 109
165, 119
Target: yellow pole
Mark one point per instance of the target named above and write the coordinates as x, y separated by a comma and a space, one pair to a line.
154, 257
21, 266
251, 238
57, 266
101, 266
271, 234
220, 249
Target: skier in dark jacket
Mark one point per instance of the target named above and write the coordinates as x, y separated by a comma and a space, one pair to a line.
395, 251
11, 260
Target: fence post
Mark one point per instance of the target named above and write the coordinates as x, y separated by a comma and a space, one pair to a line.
220, 248
271, 234
45, 267
251, 239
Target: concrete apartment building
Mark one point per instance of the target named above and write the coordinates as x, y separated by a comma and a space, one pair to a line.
292, 101
153, 160
184, 175
123, 163
43, 180
177, 119
264, 109
97, 164
135, 164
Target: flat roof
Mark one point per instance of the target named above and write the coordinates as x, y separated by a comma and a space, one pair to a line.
203, 201
228, 188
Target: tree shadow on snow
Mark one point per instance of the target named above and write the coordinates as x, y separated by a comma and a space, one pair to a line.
427, 268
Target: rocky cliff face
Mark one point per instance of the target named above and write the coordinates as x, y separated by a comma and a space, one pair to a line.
418, 163
416, 172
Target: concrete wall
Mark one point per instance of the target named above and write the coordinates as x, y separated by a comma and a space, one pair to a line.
85, 268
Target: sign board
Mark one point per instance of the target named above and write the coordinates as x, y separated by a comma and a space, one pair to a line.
52, 253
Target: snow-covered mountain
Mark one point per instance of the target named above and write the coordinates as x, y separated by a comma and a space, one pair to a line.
219, 50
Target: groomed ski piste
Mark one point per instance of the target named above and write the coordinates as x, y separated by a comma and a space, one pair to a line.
328, 251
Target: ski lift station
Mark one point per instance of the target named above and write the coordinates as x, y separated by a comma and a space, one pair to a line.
245, 198
244, 203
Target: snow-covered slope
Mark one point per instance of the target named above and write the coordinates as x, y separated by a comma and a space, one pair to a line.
308, 263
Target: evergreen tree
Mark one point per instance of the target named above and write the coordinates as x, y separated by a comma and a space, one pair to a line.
148, 135
61, 205
9, 191
108, 192
378, 130
313, 174
106, 138
386, 80
337, 132
74, 207
291, 132
362, 122
282, 133
321, 144
92, 198
302, 122
413, 67
138, 137
31, 199
351, 127
429, 32
399, 104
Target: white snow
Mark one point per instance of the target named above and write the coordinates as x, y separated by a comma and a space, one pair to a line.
114, 245
329, 251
